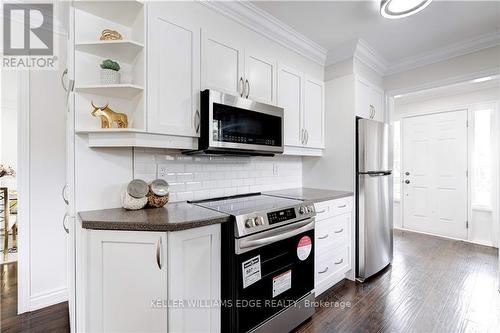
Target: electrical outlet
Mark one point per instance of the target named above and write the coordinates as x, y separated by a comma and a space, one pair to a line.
162, 171
275, 169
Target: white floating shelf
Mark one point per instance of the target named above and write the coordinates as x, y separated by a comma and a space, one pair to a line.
113, 90
137, 138
121, 12
118, 50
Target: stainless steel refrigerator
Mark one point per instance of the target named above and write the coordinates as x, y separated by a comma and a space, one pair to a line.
374, 241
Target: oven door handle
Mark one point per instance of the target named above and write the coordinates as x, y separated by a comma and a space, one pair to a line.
298, 228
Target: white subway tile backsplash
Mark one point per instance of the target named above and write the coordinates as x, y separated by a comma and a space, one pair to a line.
202, 177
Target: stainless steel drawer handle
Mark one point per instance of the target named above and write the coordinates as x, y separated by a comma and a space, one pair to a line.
339, 262
322, 211
339, 231
158, 253
323, 271
323, 237
248, 88
242, 87
343, 206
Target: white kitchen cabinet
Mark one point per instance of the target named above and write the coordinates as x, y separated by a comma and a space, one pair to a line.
302, 98
194, 276
333, 242
127, 281
369, 100
222, 64
290, 98
260, 78
173, 73
314, 113
230, 68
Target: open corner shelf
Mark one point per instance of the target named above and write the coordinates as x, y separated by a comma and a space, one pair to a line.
120, 50
125, 15
113, 90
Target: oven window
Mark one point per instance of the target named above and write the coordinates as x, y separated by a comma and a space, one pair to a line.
232, 124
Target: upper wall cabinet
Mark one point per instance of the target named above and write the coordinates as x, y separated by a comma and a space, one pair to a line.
303, 101
229, 68
222, 65
290, 98
314, 113
369, 100
173, 73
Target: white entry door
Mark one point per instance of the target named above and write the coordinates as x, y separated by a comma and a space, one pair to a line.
435, 174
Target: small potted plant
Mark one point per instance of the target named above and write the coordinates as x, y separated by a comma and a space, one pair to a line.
110, 72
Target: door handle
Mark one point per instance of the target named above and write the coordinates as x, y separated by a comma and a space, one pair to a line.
197, 121
323, 237
339, 262
242, 87
248, 88
339, 231
372, 111
63, 194
302, 136
407, 181
66, 229
307, 136
323, 271
159, 249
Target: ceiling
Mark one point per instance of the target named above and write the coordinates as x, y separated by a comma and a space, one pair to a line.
441, 24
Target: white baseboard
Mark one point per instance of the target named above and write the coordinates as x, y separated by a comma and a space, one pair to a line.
443, 237
47, 299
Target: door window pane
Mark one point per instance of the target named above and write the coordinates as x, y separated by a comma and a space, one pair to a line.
482, 177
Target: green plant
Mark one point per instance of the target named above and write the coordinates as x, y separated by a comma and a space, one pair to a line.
110, 64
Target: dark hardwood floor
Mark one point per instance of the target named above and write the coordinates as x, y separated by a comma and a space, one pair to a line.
433, 285
51, 319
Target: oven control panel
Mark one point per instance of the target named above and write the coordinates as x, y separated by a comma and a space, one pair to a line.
281, 215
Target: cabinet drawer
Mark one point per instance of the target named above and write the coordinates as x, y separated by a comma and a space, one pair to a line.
332, 232
334, 261
330, 208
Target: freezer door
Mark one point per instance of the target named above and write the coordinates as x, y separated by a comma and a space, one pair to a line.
374, 224
373, 146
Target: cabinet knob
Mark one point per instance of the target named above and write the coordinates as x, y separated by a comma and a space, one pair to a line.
407, 181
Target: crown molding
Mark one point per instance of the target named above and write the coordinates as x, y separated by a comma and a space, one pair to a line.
447, 52
360, 50
270, 27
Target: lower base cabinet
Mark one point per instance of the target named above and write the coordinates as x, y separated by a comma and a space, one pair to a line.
140, 281
333, 248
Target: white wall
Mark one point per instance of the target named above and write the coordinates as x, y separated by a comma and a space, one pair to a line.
195, 178
335, 170
8, 124
483, 227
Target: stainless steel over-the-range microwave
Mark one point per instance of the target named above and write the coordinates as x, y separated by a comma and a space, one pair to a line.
232, 125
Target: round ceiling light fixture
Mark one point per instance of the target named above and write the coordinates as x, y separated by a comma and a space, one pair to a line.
395, 9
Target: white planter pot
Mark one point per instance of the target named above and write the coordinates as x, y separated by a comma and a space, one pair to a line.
109, 76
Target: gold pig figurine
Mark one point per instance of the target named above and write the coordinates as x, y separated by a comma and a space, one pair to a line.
108, 116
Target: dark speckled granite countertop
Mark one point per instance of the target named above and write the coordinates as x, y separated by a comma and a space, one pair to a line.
172, 217
311, 194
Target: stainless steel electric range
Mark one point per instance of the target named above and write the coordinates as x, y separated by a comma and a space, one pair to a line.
267, 262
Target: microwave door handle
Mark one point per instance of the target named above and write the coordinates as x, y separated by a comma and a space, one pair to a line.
244, 244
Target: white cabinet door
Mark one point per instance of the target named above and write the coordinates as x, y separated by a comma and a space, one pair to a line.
362, 96
260, 79
290, 98
173, 73
377, 103
128, 273
314, 113
194, 275
222, 65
